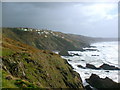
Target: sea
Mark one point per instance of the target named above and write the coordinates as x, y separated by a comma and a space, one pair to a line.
97, 54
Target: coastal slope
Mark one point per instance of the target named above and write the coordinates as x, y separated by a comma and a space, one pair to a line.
46, 39
24, 66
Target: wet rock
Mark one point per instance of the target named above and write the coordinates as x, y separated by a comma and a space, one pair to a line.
82, 50
94, 55
93, 46
87, 73
101, 83
69, 60
87, 87
80, 66
82, 60
108, 67
91, 50
91, 66
76, 54
106, 71
64, 53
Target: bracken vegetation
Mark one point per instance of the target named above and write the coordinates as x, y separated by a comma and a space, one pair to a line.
47, 40
24, 66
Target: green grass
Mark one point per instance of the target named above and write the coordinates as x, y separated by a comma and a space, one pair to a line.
39, 41
7, 83
24, 84
32, 68
48, 71
0, 51
15, 82
6, 52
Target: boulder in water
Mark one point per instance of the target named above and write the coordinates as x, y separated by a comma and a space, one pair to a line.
82, 60
91, 66
87, 87
101, 83
108, 67
76, 54
69, 60
64, 53
80, 66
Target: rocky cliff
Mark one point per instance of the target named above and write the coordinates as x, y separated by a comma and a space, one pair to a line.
24, 66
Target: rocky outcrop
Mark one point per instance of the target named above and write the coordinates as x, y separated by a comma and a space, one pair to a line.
104, 67
91, 66
87, 66
64, 53
80, 66
87, 87
102, 83
91, 50
76, 54
108, 67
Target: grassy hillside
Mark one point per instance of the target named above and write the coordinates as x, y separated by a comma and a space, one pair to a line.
26, 67
45, 39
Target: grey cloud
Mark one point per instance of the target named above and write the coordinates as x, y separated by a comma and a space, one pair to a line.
56, 16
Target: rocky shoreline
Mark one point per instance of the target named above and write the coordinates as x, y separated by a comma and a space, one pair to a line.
102, 83
94, 81
102, 67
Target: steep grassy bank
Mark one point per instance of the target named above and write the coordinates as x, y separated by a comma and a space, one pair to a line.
45, 39
27, 67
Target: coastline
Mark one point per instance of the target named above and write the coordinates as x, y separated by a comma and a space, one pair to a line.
77, 59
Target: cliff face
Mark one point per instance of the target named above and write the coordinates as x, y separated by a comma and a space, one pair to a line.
27, 67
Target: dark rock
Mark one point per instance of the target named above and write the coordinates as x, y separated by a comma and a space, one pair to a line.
82, 50
87, 73
87, 87
108, 67
94, 55
90, 66
80, 66
64, 53
93, 46
100, 83
91, 49
106, 71
82, 60
69, 60
76, 54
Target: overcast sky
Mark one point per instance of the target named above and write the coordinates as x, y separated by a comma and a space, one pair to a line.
89, 19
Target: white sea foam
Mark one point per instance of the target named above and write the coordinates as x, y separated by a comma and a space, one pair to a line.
107, 52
